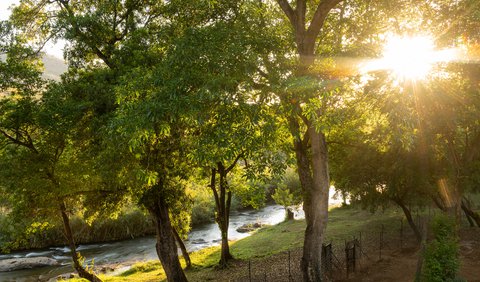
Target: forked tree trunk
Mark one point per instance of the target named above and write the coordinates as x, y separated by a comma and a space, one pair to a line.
408, 216
223, 199
312, 161
82, 272
182, 247
165, 246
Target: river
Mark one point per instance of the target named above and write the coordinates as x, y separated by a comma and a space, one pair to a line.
125, 253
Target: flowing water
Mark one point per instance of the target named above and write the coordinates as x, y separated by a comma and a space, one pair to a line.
140, 249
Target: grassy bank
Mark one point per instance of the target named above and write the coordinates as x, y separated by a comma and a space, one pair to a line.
266, 242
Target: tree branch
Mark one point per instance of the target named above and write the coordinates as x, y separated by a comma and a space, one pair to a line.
319, 17
300, 10
212, 186
234, 162
87, 41
16, 141
289, 12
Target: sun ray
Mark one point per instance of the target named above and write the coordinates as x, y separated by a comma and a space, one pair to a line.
410, 58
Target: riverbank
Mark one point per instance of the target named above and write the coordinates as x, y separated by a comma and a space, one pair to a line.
388, 252
267, 249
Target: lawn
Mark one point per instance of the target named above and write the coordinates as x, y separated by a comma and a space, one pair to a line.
266, 242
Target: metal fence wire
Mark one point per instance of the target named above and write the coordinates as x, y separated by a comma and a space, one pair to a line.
341, 257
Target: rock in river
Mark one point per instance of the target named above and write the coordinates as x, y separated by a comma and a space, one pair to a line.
24, 263
249, 227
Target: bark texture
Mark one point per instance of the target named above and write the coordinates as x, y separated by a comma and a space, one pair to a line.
310, 146
166, 248
472, 216
181, 245
289, 215
223, 200
82, 272
408, 216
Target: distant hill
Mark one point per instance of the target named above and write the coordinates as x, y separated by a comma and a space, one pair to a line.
54, 67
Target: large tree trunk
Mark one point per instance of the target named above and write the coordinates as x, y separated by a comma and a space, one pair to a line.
182, 247
312, 162
408, 216
165, 246
316, 208
82, 272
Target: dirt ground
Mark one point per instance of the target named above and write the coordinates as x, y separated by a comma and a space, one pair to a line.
402, 265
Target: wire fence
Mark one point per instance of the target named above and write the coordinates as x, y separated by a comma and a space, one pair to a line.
342, 256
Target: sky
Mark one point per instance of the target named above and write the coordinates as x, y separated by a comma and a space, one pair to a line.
51, 49
4, 4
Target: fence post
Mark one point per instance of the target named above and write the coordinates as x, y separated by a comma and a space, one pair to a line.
381, 244
401, 234
360, 244
289, 270
250, 271
346, 259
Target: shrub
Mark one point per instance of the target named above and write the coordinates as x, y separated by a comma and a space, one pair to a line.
203, 209
441, 254
288, 192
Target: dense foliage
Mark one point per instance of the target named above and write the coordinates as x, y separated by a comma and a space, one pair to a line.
185, 109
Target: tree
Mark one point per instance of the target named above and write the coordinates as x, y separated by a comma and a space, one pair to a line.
452, 118
37, 169
313, 171
128, 39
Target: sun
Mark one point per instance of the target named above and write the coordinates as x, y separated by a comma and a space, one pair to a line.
410, 57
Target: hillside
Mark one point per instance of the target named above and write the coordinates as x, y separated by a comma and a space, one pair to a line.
54, 67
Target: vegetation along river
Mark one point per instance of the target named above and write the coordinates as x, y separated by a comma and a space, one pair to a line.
122, 254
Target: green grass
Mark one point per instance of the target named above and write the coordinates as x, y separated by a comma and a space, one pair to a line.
343, 222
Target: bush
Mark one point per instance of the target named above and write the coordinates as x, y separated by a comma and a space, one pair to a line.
203, 209
288, 192
441, 254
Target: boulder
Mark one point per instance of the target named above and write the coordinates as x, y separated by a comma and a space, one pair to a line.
24, 263
198, 241
249, 227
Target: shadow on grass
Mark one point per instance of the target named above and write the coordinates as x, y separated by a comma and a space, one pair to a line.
343, 222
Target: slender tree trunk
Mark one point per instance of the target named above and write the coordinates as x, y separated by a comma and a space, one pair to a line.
180, 243
470, 213
223, 199
408, 216
470, 220
82, 272
165, 246
224, 215
225, 255
439, 203
289, 215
